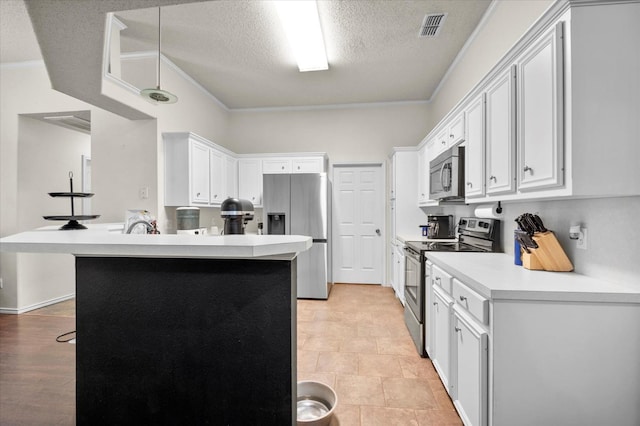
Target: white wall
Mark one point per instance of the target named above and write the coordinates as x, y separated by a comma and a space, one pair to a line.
506, 22
359, 133
25, 89
46, 154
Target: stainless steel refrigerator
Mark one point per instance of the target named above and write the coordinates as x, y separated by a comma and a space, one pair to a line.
300, 204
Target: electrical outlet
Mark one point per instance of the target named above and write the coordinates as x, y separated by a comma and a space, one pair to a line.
144, 192
582, 239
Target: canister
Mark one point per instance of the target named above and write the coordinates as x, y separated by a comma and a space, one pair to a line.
187, 218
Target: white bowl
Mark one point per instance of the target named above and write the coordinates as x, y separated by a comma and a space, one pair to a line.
316, 404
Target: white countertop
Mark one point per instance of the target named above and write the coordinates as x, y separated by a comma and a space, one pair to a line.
495, 276
98, 240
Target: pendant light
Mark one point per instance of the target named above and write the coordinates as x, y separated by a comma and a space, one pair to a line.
157, 94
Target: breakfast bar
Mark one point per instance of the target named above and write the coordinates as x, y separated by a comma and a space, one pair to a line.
181, 329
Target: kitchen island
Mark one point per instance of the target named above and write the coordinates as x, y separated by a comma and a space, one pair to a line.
180, 329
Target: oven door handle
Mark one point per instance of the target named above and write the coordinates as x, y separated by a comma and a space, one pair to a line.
411, 251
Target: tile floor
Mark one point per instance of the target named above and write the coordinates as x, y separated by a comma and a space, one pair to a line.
357, 343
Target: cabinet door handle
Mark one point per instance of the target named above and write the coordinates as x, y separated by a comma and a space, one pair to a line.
198, 194
462, 298
451, 135
458, 329
282, 167
470, 185
444, 142
493, 178
437, 279
435, 303
528, 169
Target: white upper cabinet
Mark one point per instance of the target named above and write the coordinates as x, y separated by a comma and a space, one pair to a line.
250, 180
197, 171
423, 174
199, 176
540, 113
474, 148
307, 165
218, 174
231, 179
457, 130
500, 139
187, 170
310, 164
276, 165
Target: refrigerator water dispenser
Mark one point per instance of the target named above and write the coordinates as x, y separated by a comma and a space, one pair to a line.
276, 223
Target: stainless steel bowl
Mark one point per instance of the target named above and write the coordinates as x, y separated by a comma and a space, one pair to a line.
316, 403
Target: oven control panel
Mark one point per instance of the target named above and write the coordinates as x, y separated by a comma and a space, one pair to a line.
474, 224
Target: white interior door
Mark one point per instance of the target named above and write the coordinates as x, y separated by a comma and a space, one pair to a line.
358, 217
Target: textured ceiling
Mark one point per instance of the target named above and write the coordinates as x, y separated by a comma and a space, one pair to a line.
237, 51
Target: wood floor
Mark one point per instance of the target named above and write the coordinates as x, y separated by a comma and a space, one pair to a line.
356, 342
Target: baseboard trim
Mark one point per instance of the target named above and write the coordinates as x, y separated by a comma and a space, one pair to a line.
16, 311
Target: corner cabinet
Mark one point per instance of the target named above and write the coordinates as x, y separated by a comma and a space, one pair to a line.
197, 171
540, 110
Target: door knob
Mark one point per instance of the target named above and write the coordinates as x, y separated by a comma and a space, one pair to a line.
378, 231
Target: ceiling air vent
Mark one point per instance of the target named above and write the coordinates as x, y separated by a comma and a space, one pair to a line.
432, 24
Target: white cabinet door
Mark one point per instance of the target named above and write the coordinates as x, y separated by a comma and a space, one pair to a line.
474, 150
307, 165
540, 113
276, 165
199, 162
401, 264
500, 134
469, 350
441, 317
456, 130
441, 142
250, 180
217, 173
423, 175
429, 298
231, 177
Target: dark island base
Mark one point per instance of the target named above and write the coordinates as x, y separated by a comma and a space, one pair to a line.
185, 341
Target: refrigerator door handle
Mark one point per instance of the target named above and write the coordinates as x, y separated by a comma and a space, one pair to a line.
319, 240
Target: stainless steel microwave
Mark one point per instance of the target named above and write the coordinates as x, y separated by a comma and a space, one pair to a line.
446, 180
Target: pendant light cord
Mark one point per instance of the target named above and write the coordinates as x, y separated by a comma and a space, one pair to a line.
159, 45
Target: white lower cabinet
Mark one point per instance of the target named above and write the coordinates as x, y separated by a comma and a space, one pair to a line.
441, 318
429, 297
469, 350
398, 271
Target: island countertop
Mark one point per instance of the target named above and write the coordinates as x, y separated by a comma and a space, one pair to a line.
100, 241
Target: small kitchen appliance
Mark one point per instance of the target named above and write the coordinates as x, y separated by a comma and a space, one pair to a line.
236, 213
474, 235
446, 176
440, 227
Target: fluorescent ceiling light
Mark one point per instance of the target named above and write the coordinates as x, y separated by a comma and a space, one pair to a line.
302, 24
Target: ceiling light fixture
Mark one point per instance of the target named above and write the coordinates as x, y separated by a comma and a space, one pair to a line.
302, 25
156, 93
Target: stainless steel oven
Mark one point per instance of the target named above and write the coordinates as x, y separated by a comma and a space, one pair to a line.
414, 296
474, 235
